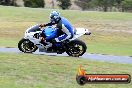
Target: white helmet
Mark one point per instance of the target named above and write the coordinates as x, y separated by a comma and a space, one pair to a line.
55, 16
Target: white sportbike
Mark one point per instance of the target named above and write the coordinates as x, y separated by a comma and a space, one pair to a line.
32, 41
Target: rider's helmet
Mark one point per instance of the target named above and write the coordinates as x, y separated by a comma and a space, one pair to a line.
54, 16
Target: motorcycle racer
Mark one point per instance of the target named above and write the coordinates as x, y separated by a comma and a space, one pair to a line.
62, 24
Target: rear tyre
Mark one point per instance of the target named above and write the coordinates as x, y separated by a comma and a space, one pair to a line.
76, 48
26, 46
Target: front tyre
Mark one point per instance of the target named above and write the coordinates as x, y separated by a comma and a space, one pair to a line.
76, 48
26, 46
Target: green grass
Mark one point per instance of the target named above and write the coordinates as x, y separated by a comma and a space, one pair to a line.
39, 71
41, 15
8, 42
111, 31
114, 49
108, 44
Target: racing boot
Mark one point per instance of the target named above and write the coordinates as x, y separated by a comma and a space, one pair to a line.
46, 44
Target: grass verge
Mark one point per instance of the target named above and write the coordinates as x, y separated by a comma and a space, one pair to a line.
39, 71
111, 31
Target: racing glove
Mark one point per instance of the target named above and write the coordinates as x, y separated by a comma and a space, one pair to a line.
42, 25
53, 41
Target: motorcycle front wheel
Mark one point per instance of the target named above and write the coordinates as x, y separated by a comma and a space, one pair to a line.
26, 46
76, 48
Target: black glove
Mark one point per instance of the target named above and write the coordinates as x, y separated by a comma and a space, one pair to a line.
53, 41
88, 33
42, 25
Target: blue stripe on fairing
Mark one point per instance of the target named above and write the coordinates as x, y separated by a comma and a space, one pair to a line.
62, 37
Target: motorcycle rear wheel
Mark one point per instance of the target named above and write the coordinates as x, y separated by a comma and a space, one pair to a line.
26, 46
76, 48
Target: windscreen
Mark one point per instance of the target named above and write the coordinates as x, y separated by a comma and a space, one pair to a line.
34, 28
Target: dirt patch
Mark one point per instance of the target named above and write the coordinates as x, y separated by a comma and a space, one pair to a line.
111, 30
106, 26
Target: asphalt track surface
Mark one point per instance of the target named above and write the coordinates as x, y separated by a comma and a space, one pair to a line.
95, 57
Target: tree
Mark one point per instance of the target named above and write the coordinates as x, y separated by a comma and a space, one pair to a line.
53, 3
5, 2
127, 5
84, 4
34, 3
118, 4
64, 4
8, 2
105, 4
